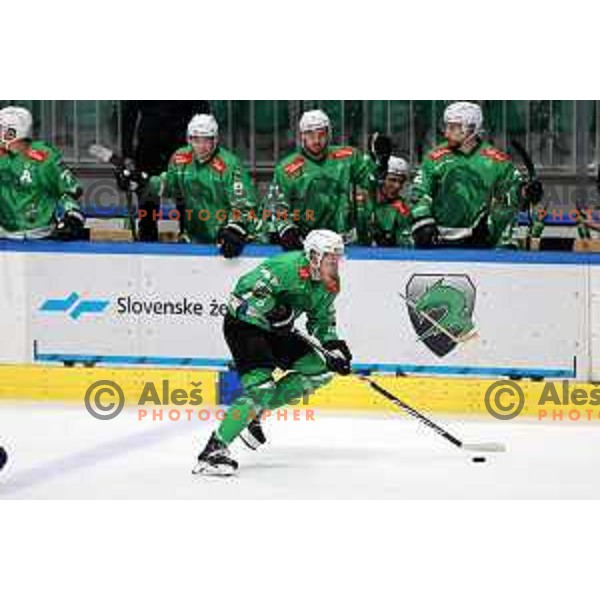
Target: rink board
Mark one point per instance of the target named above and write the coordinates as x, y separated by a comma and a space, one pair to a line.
466, 396
161, 306
64, 384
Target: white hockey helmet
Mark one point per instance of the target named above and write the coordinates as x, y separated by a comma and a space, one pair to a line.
203, 126
321, 242
15, 123
397, 166
312, 120
468, 114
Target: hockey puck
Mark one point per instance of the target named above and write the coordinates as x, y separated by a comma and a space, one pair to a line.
3, 457
479, 459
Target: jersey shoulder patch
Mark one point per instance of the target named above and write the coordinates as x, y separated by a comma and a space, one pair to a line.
304, 273
342, 153
218, 164
495, 154
401, 208
182, 158
439, 153
295, 167
37, 155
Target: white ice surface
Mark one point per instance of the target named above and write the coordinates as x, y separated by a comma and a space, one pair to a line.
62, 452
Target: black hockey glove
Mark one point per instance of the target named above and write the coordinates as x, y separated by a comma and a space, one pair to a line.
291, 239
232, 239
384, 239
338, 356
532, 193
149, 208
71, 226
130, 179
425, 233
480, 238
380, 148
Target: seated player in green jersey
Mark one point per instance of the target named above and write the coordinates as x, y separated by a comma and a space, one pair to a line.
392, 222
214, 194
467, 193
38, 193
320, 186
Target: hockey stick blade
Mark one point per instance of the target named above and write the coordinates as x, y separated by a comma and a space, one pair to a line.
484, 447
101, 153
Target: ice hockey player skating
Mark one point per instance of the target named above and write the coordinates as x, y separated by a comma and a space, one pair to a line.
258, 329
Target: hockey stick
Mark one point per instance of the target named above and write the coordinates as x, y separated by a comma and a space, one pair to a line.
413, 412
532, 176
107, 156
475, 447
527, 161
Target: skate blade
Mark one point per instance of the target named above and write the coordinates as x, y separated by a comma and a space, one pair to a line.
206, 469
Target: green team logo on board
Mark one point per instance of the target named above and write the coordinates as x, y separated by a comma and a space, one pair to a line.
440, 308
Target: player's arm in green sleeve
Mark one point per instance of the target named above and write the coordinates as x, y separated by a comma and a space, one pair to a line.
518, 198
364, 218
514, 183
64, 185
63, 188
322, 322
424, 228
255, 298
242, 200
165, 185
156, 183
422, 191
280, 201
363, 178
504, 212
265, 227
362, 170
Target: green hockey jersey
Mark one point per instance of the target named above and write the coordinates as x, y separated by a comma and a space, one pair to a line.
456, 189
215, 193
35, 187
335, 192
285, 280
